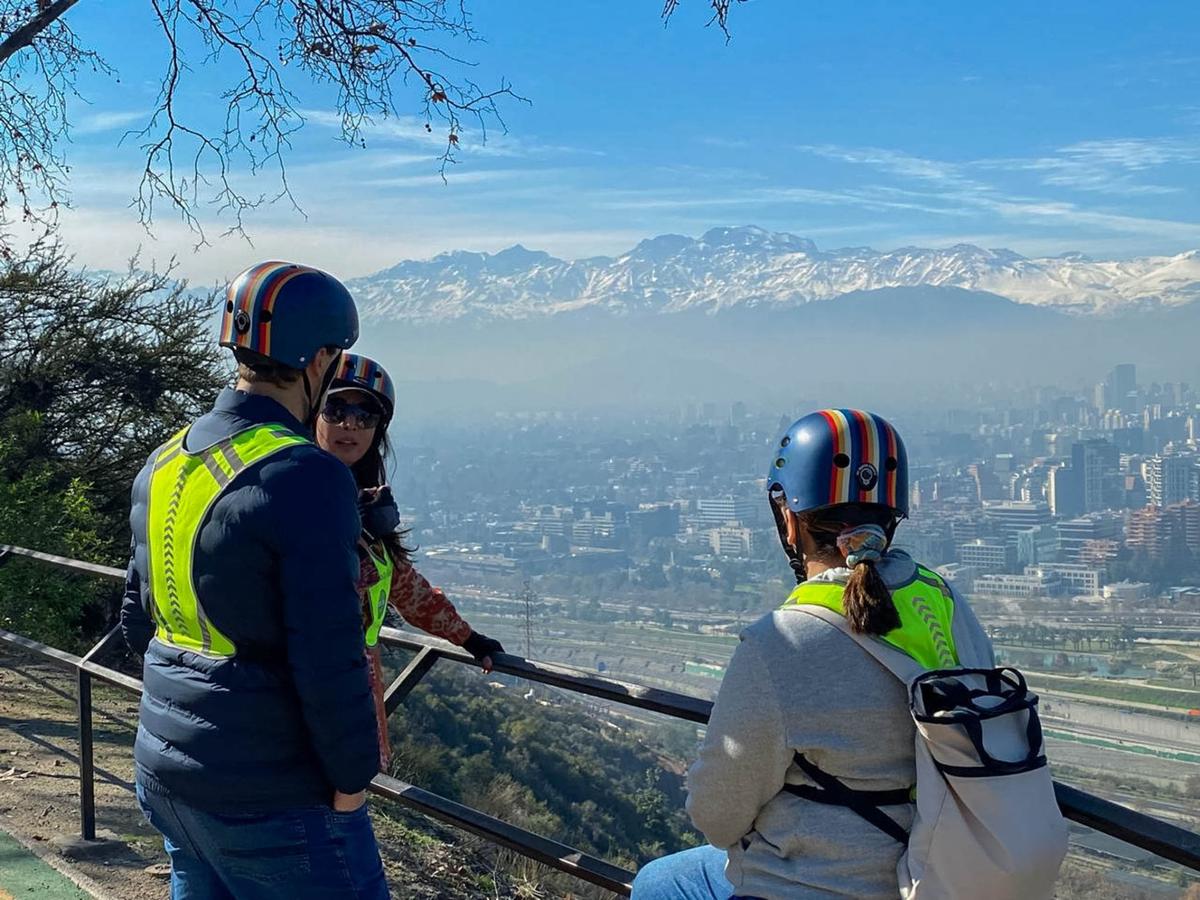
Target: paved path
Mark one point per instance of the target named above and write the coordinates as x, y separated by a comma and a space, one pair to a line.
23, 875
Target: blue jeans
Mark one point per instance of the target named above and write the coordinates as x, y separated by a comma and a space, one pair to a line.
311, 852
696, 874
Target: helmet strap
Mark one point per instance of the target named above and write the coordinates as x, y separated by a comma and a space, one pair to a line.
311, 419
314, 403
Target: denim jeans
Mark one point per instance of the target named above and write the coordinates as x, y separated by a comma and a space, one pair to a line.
696, 874
310, 852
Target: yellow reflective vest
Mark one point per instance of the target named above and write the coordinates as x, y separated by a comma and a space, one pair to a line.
183, 487
926, 609
378, 593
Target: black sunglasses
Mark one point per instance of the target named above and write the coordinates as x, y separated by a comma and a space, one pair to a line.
337, 412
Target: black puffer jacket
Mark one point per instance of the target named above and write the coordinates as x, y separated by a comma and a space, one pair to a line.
290, 718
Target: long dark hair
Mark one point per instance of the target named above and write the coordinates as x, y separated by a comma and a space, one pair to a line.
371, 472
866, 601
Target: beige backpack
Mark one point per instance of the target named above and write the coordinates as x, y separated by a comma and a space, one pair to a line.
987, 825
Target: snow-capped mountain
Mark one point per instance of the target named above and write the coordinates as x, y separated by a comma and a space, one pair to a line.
751, 267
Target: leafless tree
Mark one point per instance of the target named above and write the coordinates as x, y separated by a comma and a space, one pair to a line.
383, 58
379, 56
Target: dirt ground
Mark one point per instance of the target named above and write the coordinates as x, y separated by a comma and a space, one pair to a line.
39, 773
39, 799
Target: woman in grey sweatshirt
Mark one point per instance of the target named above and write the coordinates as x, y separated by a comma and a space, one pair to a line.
798, 685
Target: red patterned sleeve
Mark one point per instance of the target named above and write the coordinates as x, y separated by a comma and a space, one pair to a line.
425, 606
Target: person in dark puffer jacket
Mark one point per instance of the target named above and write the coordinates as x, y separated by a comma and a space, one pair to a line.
256, 736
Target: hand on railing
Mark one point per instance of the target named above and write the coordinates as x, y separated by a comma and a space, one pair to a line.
482, 647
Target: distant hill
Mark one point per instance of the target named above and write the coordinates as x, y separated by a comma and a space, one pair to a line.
748, 267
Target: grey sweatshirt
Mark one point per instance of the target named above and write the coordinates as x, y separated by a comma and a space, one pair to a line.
797, 683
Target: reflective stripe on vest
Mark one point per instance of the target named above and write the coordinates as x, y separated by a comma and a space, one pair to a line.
926, 610
378, 593
183, 487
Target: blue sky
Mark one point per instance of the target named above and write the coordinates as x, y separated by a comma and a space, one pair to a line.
1045, 128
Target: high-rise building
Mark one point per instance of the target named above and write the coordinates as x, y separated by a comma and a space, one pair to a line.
1009, 517
1146, 532
987, 484
1159, 531
1122, 386
1097, 463
1037, 545
1187, 520
714, 512
1135, 491
1065, 492
1169, 478
1076, 535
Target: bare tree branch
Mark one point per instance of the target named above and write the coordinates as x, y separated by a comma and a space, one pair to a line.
383, 57
24, 35
37, 78
720, 14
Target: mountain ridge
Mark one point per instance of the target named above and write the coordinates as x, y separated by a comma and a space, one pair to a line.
748, 266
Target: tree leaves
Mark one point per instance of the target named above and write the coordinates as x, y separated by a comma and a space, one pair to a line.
107, 366
95, 372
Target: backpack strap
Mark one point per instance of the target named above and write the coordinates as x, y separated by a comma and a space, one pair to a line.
899, 664
830, 790
833, 792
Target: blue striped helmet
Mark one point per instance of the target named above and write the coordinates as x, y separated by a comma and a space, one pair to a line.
287, 312
358, 372
837, 456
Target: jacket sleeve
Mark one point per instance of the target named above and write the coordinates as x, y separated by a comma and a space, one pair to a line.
315, 532
744, 757
136, 625
425, 606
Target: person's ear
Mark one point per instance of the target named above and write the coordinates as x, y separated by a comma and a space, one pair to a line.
791, 523
321, 370
318, 365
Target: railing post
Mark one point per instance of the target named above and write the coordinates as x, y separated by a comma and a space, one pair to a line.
417, 669
87, 772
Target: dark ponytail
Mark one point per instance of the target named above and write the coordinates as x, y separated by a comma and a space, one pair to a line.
866, 600
868, 603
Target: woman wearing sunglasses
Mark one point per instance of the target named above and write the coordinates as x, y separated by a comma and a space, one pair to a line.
353, 427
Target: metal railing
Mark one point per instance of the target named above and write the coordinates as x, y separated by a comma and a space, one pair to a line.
1161, 838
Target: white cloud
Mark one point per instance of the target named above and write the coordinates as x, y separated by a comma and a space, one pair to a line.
895, 162
1099, 165
1071, 214
99, 122
472, 139
1106, 166
877, 198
